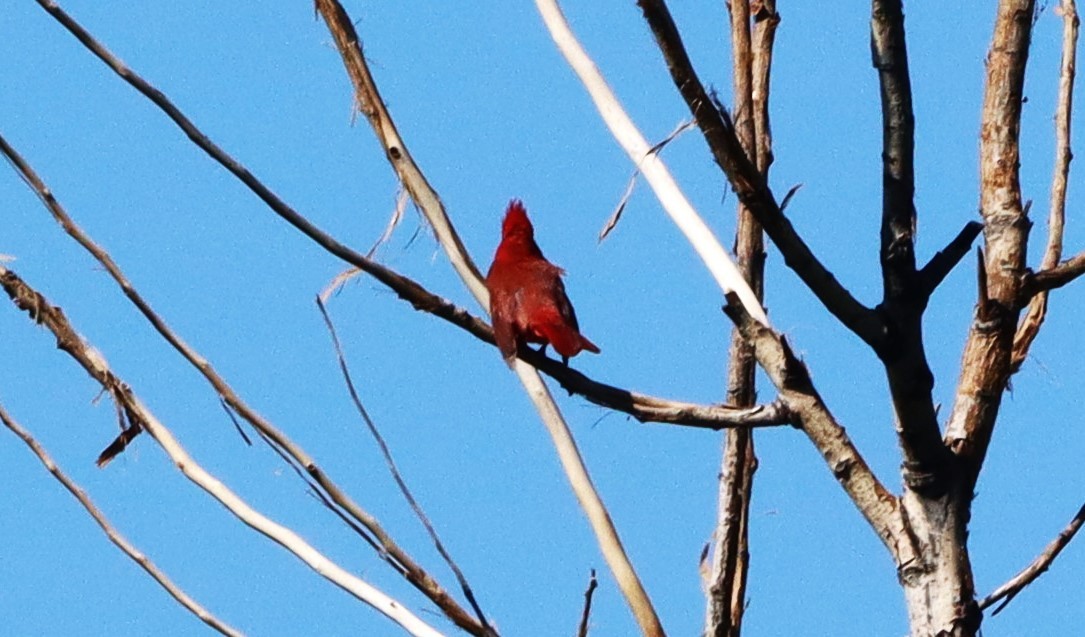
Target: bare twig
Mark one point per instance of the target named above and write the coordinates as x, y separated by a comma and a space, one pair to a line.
750, 187
674, 202
1038, 567
940, 265
1030, 325
348, 44
1057, 276
44, 313
397, 476
582, 629
296, 456
113, 534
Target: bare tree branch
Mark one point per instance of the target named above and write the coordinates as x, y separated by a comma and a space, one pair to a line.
940, 265
1029, 328
1038, 567
44, 313
349, 46
748, 184
292, 453
398, 477
986, 363
113, 534
582, 629
792, 380
731, 556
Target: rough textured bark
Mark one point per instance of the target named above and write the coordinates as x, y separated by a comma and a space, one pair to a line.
752, 54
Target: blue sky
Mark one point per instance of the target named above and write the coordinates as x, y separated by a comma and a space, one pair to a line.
490, 112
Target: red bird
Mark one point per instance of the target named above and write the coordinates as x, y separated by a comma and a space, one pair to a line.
527, 298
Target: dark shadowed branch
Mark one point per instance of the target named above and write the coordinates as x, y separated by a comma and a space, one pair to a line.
585, 615
1038, 567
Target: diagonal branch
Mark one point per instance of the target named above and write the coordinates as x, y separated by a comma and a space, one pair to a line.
112, 533
750, 187
349, 46
1038, 567
1058, 275
940, 265
792, 380
1029, 327
292, 453
397, 476
48, 315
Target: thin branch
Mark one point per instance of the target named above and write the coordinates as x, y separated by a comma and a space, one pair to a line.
295, 455
396, 475
748, 184
1057, 276
348, 44
731, 556
644, 408
1029, 327
1038, 567
674, 202
39, 309
582, 629
792, 380
113, 534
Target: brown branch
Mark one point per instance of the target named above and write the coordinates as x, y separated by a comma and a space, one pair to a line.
792, 380
1038, 567
389, 549
1057, 276
1029, 328
398, 477
986, 363
748, 184
752, 56
112, 533
585, 615
642, 407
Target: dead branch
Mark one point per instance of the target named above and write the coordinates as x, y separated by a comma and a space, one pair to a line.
398, 477
1057, 276
582, 629
1029, 327
730, 557
1038, 567
747, 183
113, 534
292, 453
349, 46
50, 316
792, 380
986, 363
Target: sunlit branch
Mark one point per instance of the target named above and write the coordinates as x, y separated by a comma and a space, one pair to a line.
49, 316
349, 46
113, 534
1030, 325
292, 453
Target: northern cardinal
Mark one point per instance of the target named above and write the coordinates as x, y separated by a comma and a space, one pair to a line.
527, 298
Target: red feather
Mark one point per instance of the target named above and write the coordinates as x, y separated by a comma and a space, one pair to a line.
528, 303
